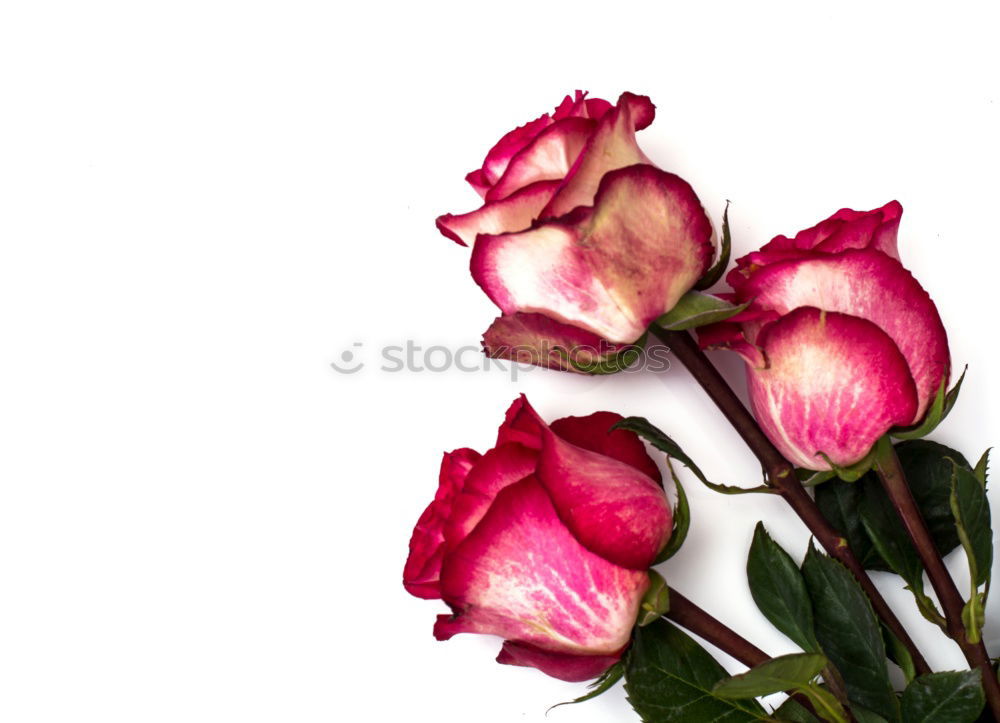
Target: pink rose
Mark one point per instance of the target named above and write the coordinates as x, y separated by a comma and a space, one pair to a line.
544, 540
581, 242
841, 342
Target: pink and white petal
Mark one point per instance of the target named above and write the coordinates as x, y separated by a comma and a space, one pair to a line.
496, 161
611, 145
501, 466
423, 565
522, 575
544, 271
648, 241
522, 425
548, 157
478, 181
728, 335
844, 230
574, 106
597, 107
514, 213
835, 383
610, 271
611, 507
641, 109
593, 432
536, 339
884, 223
868, 284
571, 668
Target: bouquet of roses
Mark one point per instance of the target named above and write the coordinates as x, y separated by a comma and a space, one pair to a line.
548, 539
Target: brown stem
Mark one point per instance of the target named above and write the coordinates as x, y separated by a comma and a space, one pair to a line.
688, 615
894, 481
782, 477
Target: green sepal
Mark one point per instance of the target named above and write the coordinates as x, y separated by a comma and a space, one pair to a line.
662, 442
726, 247
656, 602
611, 364
682, 521
697, 309
940, 408
853, 472
812, 477
600, 686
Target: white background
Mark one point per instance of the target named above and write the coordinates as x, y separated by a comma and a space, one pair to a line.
203, 204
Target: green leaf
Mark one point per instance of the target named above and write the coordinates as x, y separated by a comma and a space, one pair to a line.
715, 273
899, 654
656, 601
600, 686
826, 704
888, 535
863, 715
697, 309
613, 363
793, 712
940, 408
682, 521
662, 442
944, 698
669, 679
779, 590
840, 502
982, 468
971, 510
784, 673
928, 469
849, 633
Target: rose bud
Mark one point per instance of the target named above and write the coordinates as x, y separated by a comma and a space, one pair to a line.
544, 540
841, 343
581, 242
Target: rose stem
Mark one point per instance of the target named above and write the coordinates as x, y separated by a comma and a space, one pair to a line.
688, 615
782, 477
894, 481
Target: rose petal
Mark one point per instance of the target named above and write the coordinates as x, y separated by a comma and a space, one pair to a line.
615, 510
521, 424
537, 339
501, 466
870, 285
593, 432
846, 229
835, 383
423, 565
571, 668
523, 576
726, 335
478, 181
611, 270
514, 213
496, 161
611, 145
547, 158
